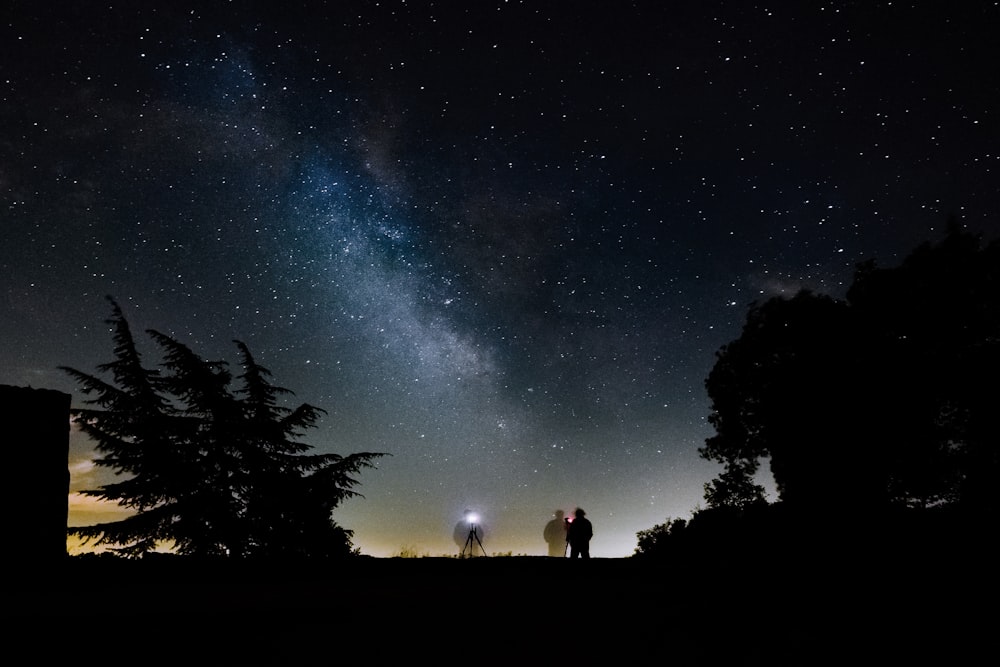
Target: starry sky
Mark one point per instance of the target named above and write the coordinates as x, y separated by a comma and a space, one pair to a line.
501, 241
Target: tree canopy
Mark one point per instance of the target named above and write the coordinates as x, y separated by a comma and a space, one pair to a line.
883, 399
208, 469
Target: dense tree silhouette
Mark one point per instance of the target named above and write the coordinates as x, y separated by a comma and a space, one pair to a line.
660, 537
933, 328
884, 399
209, 470
735, 486
783, 390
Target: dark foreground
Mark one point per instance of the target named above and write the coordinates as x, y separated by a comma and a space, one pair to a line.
519, 610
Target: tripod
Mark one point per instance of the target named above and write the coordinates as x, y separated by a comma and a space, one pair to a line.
473, 535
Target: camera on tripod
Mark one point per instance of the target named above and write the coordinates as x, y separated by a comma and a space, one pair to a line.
472, 519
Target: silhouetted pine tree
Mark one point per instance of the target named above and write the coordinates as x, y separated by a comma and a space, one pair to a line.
134, 427
289, 495
210, 472
208, 493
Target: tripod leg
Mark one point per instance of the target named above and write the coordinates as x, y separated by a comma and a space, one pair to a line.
481, 544
468, 545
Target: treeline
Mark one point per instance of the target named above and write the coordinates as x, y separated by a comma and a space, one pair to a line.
879, 408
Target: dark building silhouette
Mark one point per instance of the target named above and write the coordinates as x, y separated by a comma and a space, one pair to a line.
35, 445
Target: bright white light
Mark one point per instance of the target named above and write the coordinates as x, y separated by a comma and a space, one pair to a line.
471, 518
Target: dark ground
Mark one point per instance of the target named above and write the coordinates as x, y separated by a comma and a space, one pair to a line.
935, 609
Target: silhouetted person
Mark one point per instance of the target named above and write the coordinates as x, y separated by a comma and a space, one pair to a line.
579, 534
555, 534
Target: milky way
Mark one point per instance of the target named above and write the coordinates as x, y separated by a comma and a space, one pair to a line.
500, 242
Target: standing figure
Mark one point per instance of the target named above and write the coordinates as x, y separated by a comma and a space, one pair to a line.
555, 535
579, 534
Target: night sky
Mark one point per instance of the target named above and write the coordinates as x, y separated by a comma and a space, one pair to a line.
501, 241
